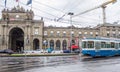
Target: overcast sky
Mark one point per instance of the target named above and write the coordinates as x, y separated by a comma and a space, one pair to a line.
52, 10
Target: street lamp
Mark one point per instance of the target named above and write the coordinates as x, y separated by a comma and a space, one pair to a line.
70, 13
45, 44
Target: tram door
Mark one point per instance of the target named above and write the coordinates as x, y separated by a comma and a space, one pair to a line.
116, 45
97, 45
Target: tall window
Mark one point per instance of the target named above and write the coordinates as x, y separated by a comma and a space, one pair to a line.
51, 33
108, 33
85, 34
84, 44
45, 33
114, 35
91, 34
119, 34
96, 33
72, 33
36, 31
64, 34
58, 44
119, 45
58, 33
80, 34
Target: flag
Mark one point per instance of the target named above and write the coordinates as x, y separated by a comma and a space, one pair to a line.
17, 0
5, 2
69, 42
77, 41
29, 2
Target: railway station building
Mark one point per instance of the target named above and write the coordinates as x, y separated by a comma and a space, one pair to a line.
19, 29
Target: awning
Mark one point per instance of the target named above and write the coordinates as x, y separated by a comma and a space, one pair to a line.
74, 46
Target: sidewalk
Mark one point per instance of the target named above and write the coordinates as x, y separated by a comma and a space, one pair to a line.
37, 55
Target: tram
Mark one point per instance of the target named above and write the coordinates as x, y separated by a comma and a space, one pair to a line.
100, 46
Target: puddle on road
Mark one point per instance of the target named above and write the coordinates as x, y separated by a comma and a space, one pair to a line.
12, 64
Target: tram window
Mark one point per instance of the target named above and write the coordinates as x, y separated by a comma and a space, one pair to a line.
108, 45
90, 44
119, 45
112, 45
84, 44
103, 44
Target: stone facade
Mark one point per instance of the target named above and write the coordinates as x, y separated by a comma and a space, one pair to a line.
19, 30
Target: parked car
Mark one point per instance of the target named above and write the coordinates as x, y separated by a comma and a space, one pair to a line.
66, 51
77, 50
7, 51
57, 51
32, 51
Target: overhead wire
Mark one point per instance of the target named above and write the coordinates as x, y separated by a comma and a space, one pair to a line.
41, 10
75, 22
55, 9
48, 6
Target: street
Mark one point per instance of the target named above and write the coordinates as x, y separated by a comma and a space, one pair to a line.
59, 64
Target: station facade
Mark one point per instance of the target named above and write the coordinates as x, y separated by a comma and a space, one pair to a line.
20, 30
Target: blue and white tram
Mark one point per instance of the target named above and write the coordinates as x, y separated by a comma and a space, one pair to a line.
100, 47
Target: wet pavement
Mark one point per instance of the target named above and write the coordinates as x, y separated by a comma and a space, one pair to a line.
60, 64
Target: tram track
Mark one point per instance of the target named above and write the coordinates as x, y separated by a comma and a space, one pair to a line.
8, 64
100, 61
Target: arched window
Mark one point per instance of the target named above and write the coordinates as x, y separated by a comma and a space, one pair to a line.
51, 44
58, 45
73, 42
36, 44
45, 44
64, 44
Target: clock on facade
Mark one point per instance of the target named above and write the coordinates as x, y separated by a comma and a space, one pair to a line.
17, 16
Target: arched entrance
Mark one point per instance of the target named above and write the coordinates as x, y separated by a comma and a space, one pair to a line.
16, 39
58, 45
64, 44
73, 42
35, 44
52, 44
45, 44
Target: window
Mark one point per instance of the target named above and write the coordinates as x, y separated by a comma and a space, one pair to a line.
36, 31
114, 35
85, 33
51, 33
108, 29
72, 33
64, 34
90, 44
80, 34
58, 33
103, 44
112, 45
113, 27
45, 33
84, 44
91, 33
108, 33
96, 34
119, 45
108, 45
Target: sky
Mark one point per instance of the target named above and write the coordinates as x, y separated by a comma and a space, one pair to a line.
55, 12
